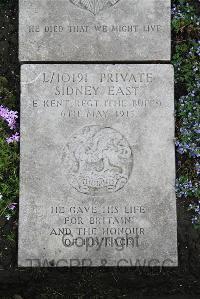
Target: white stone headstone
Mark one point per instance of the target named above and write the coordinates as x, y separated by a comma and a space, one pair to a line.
97, 168
100, 30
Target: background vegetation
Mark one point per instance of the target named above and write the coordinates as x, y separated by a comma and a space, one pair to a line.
116, 283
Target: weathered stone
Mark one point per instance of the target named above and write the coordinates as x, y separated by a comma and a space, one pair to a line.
86, 30
97, 166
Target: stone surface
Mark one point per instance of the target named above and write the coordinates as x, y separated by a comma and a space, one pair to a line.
99, 30
97, 166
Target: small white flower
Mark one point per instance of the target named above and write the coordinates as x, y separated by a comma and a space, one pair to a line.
8, 217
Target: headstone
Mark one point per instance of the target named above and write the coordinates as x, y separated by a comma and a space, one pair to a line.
94, 30
97, 166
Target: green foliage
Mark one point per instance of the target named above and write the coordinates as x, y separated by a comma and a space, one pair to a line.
186, 53
9, 159
185, 61
7, 97
185, 16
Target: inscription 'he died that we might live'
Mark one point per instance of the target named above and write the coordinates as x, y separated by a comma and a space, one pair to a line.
98, 28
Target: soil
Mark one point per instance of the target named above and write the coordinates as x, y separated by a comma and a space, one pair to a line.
180, 282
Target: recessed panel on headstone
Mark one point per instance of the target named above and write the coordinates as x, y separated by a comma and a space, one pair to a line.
97, 166
94, 30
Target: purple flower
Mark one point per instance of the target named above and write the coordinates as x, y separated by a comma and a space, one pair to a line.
9, 116
12, 206
13, 138
192, 149
185, 188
